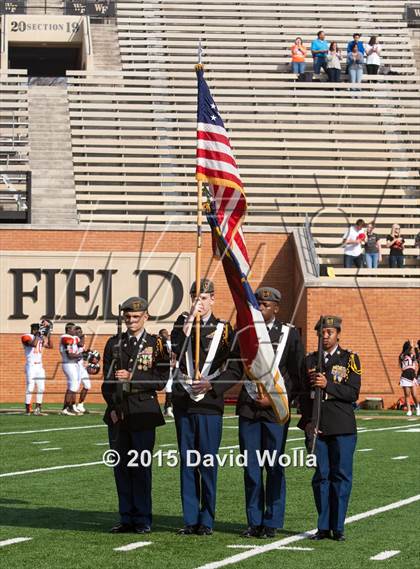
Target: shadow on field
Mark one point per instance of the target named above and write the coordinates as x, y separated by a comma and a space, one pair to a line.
92, 521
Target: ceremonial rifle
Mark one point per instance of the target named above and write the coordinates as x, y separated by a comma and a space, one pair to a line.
316, 408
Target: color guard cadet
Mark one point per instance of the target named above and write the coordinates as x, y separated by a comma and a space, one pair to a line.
259, 429
336, 440
198, 405
136, 365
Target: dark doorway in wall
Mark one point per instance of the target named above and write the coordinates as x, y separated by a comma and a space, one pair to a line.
48, 61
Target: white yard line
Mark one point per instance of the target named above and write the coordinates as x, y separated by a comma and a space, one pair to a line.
131, 546
14, 540
364, 449
168, 445
49, 468
40, 442
280, 547
399, 457
50, 430
51, 448
298, 537
385, 555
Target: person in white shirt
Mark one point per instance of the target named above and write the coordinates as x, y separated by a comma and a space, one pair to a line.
353, 239
373, 56
33, 345
70, 355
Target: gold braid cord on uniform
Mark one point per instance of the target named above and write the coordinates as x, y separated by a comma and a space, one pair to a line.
353, 366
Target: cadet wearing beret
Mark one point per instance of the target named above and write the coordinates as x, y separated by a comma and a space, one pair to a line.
336, 442
133, 371
198, 406
258, 427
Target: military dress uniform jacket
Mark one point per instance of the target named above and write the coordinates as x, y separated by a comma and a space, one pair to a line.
139, 405
343, 375
292, 369
213, 401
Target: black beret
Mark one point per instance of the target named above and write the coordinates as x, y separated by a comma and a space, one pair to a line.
206, 286
268, 293
329, 322
134, 304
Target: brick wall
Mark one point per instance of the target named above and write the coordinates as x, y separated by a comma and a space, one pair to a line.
273, 263
375, 321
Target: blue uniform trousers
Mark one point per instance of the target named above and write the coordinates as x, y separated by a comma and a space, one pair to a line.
333, 479
201, 433
264, 506
134, 484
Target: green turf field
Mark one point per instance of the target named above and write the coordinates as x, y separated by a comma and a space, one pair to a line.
68, 512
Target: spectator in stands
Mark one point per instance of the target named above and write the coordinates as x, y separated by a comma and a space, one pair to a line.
417, 245
319, 49
298, 56
355, 66
372, 244
356, 41
334, 63
353, 239
395, 243
373, 59
408, 381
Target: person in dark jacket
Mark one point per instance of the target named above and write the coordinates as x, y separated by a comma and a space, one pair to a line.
336, 440
199, 405
135, 367
259, 430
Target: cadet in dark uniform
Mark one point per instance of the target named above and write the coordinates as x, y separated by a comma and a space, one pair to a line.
258, 427
133, 411
198, 407
336, 442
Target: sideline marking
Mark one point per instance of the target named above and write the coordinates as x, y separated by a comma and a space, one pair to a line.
411, 430
56, 429
298, 537
385, 555
131, 546
14, 540
48, 468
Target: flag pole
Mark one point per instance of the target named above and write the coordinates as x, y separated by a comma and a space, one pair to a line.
198, 251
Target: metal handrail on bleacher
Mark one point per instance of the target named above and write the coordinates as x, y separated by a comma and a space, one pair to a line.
15, 204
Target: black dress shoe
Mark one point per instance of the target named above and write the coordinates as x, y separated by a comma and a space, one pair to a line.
204, 530
141, 529
338, 536
187, 530
121, 528
268, 532
320, 534
251, 531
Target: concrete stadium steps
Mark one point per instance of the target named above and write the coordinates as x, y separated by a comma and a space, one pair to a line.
53, 192
105, 46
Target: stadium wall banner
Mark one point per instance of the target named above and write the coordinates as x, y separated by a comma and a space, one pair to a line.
412, 15
61, 29
87, 287
12, 6
92, 8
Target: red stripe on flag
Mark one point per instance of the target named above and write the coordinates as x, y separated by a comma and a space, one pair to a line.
217, 156
213, 136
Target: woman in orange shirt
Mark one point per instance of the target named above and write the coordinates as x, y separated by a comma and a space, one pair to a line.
298, 56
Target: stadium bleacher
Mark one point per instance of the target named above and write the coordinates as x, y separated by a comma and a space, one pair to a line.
308, 152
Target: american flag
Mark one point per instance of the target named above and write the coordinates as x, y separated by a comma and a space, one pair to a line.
216, 166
